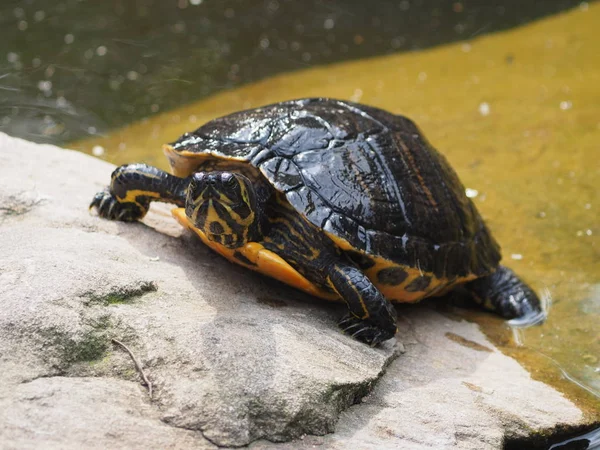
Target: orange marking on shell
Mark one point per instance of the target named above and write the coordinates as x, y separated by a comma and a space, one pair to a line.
398, 293
267, 262
184, 163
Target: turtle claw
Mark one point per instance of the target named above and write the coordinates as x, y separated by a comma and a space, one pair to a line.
109, 207
363, 330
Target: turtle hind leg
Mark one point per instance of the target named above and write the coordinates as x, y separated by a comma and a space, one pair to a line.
133, 187
504, 293
371, 318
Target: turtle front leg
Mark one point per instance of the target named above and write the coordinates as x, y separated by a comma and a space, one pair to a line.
371, 318
504, 293
133, 187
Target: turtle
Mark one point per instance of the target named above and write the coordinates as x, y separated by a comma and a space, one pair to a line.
344, 201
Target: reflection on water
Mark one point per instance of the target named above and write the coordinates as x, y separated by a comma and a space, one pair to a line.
518, 116
72, 68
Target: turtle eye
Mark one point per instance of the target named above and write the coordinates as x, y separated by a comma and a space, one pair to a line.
229, 180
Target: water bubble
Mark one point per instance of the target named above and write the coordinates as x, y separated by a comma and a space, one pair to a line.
328, 24
457, 7
484, 109
272, 6
471, 193
101, 51
588, 206
357, 95
398, 42
45, 85
22, 25
422, 76
566, 104
132, 75
39, 16
459, 28
92, 130
584, 6
154, 108
98, 150
12, 57
195, 2
588, 232
466, 48
36, 62
69, 38
516, 256
264, 43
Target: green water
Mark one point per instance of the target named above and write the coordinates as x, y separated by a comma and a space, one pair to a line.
75, 68
516, 112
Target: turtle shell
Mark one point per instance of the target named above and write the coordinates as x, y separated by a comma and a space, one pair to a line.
365, 176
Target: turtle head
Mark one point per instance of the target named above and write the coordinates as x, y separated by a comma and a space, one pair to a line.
224, 206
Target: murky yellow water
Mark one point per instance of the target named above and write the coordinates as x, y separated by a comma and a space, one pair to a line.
518, 115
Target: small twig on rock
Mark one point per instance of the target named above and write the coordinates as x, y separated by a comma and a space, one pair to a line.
138, 366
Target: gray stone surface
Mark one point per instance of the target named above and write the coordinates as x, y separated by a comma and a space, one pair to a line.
234, 358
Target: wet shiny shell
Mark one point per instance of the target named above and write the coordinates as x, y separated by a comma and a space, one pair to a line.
368, 178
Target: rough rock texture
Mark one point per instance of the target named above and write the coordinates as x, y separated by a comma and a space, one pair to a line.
233, 357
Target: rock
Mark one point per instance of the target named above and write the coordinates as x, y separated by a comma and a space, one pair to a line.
233, 358
91, 413
442, 394
231, 355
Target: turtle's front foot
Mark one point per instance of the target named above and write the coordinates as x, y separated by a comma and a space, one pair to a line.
364, 331
109, 207
371, 318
